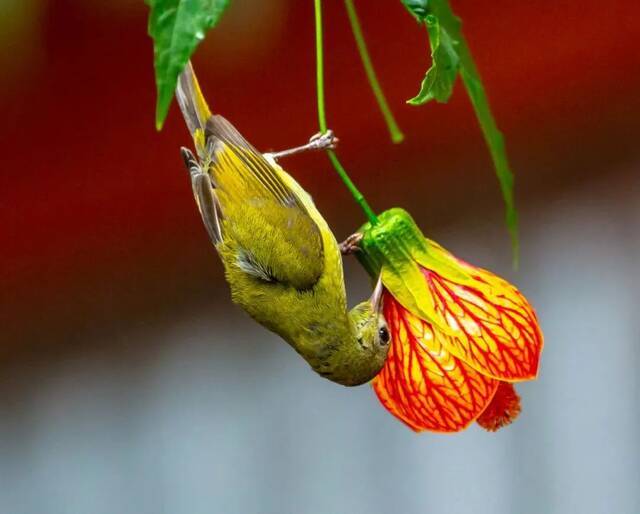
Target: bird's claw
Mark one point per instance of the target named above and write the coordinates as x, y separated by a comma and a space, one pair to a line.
190, 161
324, 140
351, 244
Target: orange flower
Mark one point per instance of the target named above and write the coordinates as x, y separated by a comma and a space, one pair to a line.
459, 334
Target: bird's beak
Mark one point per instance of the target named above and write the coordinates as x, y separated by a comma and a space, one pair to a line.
376, 297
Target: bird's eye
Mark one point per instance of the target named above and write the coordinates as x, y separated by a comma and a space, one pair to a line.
383, 333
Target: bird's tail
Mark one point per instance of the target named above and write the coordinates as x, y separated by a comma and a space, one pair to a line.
193, 106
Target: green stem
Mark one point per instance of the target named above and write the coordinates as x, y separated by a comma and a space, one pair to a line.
357, 195
322, 118
396, 134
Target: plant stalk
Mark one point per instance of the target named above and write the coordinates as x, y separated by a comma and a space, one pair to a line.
322, 118
394, 131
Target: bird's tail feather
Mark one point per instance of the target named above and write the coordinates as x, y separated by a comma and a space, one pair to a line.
194, 107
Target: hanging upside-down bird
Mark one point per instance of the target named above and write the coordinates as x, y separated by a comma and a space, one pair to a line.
281, 259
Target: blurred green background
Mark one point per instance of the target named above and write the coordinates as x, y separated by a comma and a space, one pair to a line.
129, 382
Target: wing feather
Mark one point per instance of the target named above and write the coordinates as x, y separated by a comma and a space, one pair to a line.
259, 169
262, 213
249, 206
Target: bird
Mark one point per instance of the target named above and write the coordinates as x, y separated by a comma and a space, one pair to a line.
281, 260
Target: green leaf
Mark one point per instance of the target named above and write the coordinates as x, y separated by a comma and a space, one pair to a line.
495, 141
177, 26
440, 77
476, 92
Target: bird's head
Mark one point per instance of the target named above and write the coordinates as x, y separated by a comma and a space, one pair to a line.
372, 335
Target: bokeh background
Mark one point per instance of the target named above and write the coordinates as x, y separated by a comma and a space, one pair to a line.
129, 383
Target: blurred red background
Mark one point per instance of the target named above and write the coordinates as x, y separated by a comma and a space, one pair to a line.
97, 221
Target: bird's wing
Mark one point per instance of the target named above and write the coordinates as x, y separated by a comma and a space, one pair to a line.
204, 195
263, 217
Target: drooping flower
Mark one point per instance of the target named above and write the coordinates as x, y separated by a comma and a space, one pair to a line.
460, 335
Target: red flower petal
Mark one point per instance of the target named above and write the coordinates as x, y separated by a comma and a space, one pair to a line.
495, 330
503, 409
422, 383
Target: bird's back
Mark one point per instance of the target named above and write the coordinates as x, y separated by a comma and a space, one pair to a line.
281, 260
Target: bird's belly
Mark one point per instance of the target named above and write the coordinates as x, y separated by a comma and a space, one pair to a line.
307, 320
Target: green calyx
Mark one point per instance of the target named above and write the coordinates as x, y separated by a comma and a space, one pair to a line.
388, 250
395, 242
395, 249
390, 241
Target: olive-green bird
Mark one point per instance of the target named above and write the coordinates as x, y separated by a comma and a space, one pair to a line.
281, 260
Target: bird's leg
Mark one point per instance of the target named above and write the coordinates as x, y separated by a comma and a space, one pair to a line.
190, 161
319, 141
351, 244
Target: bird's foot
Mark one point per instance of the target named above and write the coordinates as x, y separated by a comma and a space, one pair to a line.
351, 244
324, 140
190, 161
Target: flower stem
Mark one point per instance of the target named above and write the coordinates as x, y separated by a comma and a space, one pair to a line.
322, 118
396, 134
